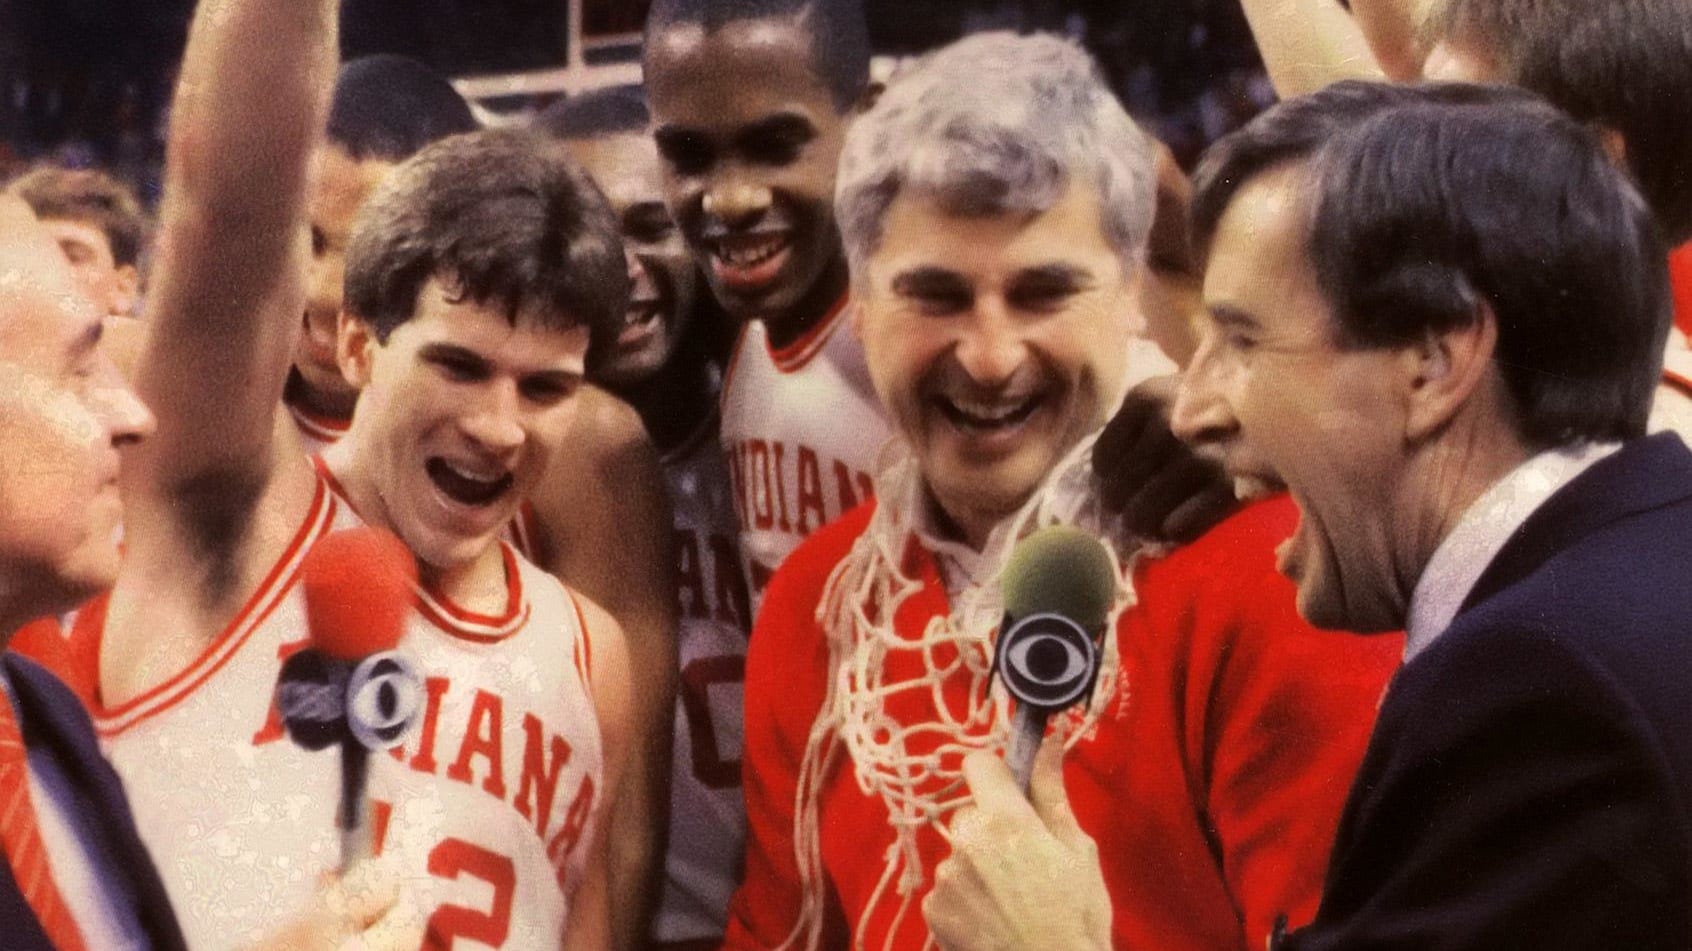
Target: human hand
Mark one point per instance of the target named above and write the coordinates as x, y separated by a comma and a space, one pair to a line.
362, 910
1160, 487
1022, 875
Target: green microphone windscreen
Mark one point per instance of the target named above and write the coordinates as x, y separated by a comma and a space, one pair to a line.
1060, 570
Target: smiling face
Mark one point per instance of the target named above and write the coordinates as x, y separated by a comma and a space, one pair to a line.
662, 277
1272, 391
750, 137
339, 188
996, 342
458, 414
64, 414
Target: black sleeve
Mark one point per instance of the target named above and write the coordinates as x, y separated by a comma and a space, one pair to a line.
1512, 797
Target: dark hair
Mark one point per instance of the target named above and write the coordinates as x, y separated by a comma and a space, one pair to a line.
1624, 64
616, 110
1461, 197
92, 197
840, 48
387, 107
501, 216
1294, 129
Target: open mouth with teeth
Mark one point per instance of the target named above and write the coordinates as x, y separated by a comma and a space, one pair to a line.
989, 416
467, 488
640, 321
1249, 487
745, 261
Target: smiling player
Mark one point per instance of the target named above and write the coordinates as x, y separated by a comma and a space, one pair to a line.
476, 275
667, 363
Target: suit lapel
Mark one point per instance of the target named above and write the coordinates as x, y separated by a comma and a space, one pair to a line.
1642, 475
54, 718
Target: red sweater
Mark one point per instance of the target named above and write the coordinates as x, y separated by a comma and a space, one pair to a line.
1680, 279
1212, 786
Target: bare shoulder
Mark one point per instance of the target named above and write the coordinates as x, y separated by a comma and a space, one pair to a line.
606, 426
602, 506
610, 675
606, 464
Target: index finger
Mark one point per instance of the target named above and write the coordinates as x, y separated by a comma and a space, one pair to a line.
994, 788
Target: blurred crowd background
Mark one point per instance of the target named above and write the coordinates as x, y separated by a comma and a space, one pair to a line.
86, 83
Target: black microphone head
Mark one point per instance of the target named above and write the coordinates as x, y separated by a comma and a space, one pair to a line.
1059, 586
311, 695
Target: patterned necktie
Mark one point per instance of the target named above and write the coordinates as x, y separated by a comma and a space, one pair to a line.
22, 839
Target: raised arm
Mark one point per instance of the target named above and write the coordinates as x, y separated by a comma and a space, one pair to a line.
227, 292
1394, 32
1307, 44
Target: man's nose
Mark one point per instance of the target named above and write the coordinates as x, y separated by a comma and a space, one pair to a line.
737, 203
994, 346
496, 421
1201, 413
127, 418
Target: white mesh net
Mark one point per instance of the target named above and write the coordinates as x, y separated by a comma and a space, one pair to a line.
915, 767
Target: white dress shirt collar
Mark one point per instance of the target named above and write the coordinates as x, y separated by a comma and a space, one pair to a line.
1481, 533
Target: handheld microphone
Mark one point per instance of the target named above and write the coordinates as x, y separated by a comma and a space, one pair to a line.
1058, 585
351, 687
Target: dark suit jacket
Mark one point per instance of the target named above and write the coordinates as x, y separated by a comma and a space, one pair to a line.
52, 719
1529, 779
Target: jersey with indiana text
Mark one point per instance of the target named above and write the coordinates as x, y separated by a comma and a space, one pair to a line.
707, 817
489, 804
802, 428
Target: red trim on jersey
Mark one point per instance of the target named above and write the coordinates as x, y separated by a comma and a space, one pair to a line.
794, 356
584, 648
480, 628
110, 721
328, 429
439, 610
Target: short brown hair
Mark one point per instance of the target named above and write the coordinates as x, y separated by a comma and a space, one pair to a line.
506, 217
92, 197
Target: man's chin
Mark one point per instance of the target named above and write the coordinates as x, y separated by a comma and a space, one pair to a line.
442, 551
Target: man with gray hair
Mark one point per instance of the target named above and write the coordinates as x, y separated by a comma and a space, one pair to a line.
995, 205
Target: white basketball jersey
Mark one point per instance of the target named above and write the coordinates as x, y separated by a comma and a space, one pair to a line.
490, 803
802, 428
317, 433
707, 815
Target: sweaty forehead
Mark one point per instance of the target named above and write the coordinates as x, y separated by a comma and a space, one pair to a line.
736, 73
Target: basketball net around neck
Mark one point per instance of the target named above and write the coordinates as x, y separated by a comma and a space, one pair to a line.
859, 602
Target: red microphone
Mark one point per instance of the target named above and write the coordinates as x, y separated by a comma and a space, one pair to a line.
358, 592
351, 687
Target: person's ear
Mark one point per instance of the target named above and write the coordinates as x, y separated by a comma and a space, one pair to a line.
126, 290
355, 349
1447, 369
